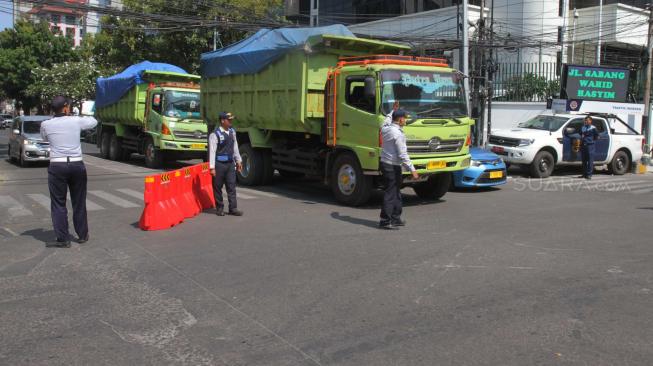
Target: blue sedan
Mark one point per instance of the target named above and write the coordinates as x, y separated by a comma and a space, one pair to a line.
487, 169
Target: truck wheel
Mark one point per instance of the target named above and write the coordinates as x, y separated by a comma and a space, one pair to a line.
253, 166
620, 163
153, 156
115, 148
434, 188
543, 164
105, 141
348, 183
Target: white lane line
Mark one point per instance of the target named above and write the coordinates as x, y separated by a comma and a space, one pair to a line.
131, 193
593, 182
14, 208
41, 199
244, 196
260, 193
627, 186
90, 205
114, 199
642, 190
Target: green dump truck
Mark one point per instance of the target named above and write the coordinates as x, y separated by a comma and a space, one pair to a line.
151, 109
317, 107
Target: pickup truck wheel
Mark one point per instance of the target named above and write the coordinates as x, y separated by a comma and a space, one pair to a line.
22, 161
543, 164
348, 183
434, 188
153, 156
115, 148
253, 166
105, 141
620, 163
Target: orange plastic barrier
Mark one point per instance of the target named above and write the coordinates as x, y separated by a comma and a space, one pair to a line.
174, 196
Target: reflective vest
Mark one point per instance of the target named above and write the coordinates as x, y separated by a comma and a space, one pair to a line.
224, 151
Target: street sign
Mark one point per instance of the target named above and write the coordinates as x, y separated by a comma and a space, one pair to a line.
591, 106
597, 83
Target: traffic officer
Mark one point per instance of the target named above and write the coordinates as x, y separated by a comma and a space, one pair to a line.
66, 171
224, 161
588, 134
394, 156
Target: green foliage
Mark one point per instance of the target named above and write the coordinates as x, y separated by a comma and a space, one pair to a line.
24, 48
125, 41
531, 87
75, 80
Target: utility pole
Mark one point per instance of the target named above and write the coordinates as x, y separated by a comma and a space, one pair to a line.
573, 37
563, 34
478, 97
465, 50
215, 34
647, 87
598, 46
315, 13
491, 68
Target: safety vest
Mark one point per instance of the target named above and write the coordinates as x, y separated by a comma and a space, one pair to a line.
224, 151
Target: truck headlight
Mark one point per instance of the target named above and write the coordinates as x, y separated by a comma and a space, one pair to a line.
526, 142
29, 142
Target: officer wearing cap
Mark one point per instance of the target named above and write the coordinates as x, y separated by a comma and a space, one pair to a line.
224, 161
588, 134
66, 171
394, 157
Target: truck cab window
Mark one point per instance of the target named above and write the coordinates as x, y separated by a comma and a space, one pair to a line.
157, 103
355, 94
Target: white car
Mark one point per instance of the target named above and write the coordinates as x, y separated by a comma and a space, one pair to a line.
546, 141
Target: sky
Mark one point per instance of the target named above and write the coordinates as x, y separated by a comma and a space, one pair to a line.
5, 19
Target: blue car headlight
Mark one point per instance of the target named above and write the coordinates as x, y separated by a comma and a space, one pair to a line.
476, 163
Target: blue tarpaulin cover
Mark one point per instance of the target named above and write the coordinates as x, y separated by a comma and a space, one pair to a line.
264, 47
109, 90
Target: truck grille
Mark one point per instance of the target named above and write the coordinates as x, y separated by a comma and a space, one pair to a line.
504, 141
434, 145
190, 135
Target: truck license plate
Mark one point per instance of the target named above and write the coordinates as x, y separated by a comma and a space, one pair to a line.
494, 175
436, 164
197, 146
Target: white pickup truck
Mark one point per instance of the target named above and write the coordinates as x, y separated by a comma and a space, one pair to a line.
546, 141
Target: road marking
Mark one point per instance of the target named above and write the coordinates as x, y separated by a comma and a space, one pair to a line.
14, 208
643, 190
131, 193
260, 193
114, 199
626, 186
594, 182
41, 199
90, 205
13, 233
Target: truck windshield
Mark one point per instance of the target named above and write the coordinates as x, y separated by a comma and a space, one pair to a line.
546, 123
182, 104
423, 93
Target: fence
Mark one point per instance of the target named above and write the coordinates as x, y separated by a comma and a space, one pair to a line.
526, 82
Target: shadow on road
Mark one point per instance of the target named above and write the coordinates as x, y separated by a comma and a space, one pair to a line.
355, 220
40, 234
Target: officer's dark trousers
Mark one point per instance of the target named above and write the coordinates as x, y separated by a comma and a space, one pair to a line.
587, 156
225, 175
391, 210
61, 177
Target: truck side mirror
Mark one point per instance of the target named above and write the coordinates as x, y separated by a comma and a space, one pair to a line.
370, 88
570, 131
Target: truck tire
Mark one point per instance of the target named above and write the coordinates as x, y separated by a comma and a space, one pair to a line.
434, 188
153, 156
348, 183
115, 148
105, 141
543, 164
620, 163
253, 172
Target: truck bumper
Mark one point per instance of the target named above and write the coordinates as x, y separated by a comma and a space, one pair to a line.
429, 166
185, 149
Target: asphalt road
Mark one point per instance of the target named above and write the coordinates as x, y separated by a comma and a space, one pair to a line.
537, 272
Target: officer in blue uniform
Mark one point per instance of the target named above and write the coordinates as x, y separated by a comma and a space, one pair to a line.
588, 134
224, 161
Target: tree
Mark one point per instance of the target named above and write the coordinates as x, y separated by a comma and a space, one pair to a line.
125, 40
24, 48
75, 80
